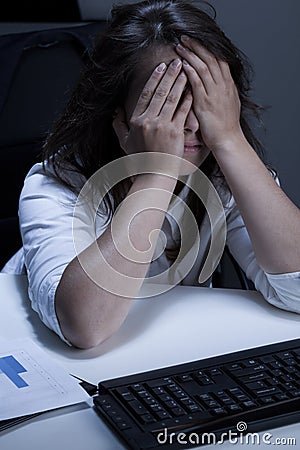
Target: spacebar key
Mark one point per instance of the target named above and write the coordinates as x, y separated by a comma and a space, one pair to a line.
267, 391
198, 418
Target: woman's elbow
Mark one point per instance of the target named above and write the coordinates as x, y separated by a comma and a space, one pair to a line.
84, 338
86, 324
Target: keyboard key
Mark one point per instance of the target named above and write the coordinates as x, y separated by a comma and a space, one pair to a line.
179, 394
233, 367
193, 407
285, 355
292, 369
290, 362
249, 404
242, 398
184, 378
159, 382
286, 378
295, 393
266, 391
176, 412
125, 394
159, 390
223, 397
281, 397
226, 400
137, 407
123, 425
118, 418
267, 359
254, 377
204, 381
256, 385
143, 394
137, 387
234, 408
163, 414
147, 418
218, 411
273, 381
267, 400
150, 401
172, 404
236, 392
173, 387
288, 386
215, 372
212, 403
275, 365
165, 398
277, 372
250, 362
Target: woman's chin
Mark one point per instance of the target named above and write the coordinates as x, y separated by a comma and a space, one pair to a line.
196, 158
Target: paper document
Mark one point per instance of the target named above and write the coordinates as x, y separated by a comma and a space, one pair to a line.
31, 382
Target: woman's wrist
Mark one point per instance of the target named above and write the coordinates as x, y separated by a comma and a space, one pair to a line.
230, 144
155, 180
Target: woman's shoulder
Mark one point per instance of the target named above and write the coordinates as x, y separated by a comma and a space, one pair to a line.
41, 178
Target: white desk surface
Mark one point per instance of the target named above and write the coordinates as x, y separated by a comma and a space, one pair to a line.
184, 324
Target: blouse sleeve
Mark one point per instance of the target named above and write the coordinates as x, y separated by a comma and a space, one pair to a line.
46, 219
281, 290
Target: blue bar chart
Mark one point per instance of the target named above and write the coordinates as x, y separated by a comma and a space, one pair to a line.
11, 368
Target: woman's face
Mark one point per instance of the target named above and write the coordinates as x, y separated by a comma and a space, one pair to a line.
192, 135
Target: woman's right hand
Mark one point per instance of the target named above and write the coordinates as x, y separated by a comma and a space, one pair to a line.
157, 122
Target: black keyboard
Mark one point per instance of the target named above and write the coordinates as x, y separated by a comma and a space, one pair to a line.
201, 402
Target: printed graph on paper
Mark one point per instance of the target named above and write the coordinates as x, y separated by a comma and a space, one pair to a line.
31, 381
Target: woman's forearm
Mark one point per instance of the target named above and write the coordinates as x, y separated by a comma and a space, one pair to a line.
88, 312
271, 218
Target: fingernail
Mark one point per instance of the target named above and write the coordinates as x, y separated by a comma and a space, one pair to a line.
161, 68
176, 63
185, 62
180, 47
185, 38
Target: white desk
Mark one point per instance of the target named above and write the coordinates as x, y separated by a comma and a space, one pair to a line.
181, 325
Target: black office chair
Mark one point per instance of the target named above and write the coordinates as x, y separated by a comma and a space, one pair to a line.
229, 274
38, 72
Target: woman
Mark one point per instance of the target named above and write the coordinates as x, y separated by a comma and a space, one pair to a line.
163, 80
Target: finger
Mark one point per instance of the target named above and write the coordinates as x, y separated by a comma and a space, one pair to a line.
120, 126
163, 89
198, 87
224, 68
148, 90
183, 109
201, 69
173, 99
200, 57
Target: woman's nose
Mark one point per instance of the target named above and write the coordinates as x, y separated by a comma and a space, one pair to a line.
191, 123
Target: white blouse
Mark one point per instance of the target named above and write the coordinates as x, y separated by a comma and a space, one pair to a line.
46, 219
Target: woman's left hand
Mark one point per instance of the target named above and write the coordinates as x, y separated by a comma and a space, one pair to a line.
216, 101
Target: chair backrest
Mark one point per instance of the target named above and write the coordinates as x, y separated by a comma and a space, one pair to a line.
38, 72
229, 274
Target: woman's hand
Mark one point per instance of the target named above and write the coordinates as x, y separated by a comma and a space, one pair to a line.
216, 101
157, 122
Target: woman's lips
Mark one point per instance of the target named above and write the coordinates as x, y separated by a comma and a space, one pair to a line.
192, 148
